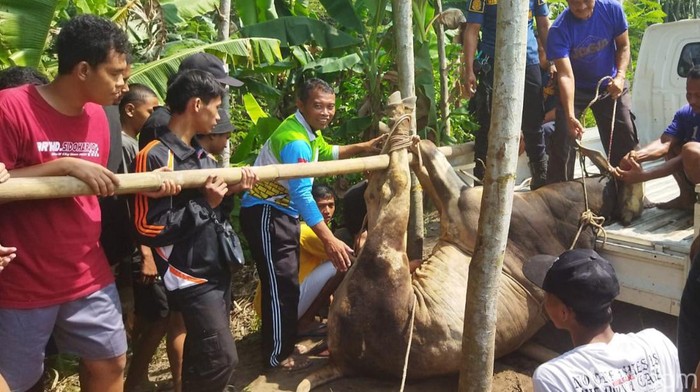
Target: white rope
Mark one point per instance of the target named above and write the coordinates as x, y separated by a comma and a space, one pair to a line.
588, 218
408, 347
397, 142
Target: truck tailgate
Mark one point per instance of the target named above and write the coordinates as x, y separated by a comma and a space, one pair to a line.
651, 255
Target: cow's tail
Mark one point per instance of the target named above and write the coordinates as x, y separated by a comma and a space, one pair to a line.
320, 377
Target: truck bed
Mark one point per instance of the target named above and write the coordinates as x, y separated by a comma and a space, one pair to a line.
650, 256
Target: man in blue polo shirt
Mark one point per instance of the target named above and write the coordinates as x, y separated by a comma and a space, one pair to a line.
589, 42
679, 145
481, 15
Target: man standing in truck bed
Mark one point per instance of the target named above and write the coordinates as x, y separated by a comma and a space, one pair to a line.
589, 42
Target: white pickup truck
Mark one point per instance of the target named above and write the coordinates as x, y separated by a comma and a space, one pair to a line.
651, 255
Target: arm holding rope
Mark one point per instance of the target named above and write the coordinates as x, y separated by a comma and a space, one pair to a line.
372, 147
622, 61
567, 89
637, 174
651, 152
631, 171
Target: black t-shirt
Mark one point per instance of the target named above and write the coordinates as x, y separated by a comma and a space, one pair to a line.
116, 238
354, 207
155, 126
115, 138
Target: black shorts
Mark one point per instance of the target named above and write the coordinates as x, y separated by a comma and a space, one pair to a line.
151, 301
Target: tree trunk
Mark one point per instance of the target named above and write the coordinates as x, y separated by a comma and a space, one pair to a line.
476, 370
224, 20
444, 83
402, 14
223, 34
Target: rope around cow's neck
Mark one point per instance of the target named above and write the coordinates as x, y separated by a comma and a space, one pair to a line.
408, 346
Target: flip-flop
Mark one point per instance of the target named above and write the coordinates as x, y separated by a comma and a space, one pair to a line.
294, 363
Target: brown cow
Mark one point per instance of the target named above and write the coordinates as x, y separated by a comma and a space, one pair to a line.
370, 316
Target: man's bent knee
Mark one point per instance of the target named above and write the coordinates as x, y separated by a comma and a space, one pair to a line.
690, 155
102, 375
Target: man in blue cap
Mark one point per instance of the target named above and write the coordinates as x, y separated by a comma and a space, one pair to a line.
580, 286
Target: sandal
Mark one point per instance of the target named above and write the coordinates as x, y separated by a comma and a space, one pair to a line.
294, 362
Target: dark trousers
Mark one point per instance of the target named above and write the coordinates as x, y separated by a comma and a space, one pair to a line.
273, 237
562, 155
210, 355
689, 323
533, 113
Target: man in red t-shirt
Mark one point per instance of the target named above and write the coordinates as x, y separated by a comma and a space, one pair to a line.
60, 281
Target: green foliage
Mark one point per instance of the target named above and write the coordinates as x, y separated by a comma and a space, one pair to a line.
255, 11
640, 15
181, 11
20, 45
244, 51
300, 30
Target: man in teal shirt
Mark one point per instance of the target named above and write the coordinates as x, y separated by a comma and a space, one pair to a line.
270, 217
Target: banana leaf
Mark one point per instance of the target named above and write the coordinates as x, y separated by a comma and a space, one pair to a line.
178, 11
251, 51
299, 30
344, 13
335, 64
255, 11
24, 29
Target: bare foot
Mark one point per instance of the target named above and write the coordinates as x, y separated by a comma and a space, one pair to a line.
682, 202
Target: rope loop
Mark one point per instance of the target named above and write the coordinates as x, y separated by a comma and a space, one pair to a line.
397, 141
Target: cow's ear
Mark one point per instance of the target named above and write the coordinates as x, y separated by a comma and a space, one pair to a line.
598, 159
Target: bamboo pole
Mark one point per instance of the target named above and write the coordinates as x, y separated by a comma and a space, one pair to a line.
33, 188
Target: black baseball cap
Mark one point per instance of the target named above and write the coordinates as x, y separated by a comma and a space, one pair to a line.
212, 64
223, 126
581, 278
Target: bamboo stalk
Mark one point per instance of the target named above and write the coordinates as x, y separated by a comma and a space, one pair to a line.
34, 188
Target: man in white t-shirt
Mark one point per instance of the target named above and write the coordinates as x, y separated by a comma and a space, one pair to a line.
579, 287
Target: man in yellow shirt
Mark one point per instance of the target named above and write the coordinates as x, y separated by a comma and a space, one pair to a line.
318, 278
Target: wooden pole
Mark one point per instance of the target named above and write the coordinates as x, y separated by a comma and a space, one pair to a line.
33, 188
442, 61
224, 24
476, 369
403, 16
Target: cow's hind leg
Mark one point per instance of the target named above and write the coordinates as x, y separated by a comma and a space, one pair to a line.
458, 208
